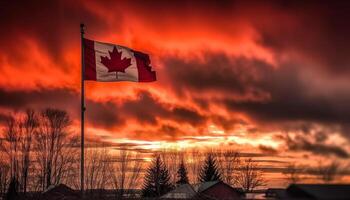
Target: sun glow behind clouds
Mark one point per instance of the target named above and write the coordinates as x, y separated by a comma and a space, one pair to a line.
213, 129
215, 138
266, 140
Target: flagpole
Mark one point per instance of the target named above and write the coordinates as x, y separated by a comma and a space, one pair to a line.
82, 109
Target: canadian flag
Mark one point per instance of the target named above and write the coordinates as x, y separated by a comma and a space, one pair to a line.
108, 62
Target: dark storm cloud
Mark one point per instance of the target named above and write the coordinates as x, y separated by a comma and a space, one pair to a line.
101, 114
20, 99
145, 109
186, 115
171, 131
219, 72
54, 24
268, 150
289, 110
302, 144
228, 123
289, 96
171, 7
313, 30
292, 100
3, 118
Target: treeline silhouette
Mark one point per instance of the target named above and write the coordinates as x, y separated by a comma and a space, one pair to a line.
39, 149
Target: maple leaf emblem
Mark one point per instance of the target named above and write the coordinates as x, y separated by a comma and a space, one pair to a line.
115, 63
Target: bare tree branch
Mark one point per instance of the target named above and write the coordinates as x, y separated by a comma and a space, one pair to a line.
250, 177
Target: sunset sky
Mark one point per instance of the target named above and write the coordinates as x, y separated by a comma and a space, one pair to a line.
270, 79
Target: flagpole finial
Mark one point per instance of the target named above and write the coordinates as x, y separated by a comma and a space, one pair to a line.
82, 28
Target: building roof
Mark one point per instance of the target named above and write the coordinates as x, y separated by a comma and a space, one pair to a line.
182, 191
200, 187
197, 191
60, 192
311, 191
277, 193
321, 191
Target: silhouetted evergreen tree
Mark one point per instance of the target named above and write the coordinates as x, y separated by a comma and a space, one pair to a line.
12, 191
209, 171
182, 177
157, 179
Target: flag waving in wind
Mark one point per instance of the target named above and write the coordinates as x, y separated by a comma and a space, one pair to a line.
108, 62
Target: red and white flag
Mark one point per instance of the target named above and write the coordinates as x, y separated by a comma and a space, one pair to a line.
108, 62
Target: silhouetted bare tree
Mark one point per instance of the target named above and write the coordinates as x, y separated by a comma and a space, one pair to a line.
17, 144
292, 173
27, 128
11, 146
53, 147
38, 149
228, 162
328, 172
250, 177
4, 175
98, 168
127, 175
